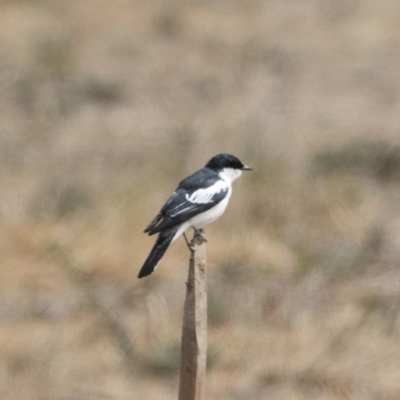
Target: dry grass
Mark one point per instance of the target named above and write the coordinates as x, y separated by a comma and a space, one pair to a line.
104, 106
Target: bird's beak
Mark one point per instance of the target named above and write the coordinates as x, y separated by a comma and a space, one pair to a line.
247, 168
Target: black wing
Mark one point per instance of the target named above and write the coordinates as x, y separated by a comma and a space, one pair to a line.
184, 204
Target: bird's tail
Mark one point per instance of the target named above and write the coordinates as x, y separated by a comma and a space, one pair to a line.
160, 247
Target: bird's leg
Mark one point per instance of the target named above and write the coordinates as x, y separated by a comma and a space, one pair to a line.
189, 245
201, 233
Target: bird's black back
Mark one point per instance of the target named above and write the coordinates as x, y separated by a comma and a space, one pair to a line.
204, 177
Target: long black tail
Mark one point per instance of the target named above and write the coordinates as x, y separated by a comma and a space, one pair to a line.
160, 247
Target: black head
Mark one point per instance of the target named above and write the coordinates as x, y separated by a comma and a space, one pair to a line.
224, 160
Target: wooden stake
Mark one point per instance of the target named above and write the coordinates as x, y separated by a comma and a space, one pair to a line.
194, 327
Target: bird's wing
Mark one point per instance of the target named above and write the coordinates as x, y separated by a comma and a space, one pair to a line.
184, 204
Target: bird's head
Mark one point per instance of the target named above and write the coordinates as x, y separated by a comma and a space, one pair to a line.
228, 166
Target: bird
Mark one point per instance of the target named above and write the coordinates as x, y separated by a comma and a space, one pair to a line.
199, 199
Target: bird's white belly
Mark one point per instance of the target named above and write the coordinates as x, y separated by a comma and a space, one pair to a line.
210, 215
206, 217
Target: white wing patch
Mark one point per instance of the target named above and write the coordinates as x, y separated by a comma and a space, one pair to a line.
204, 196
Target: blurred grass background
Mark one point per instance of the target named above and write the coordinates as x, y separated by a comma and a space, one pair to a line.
105, 106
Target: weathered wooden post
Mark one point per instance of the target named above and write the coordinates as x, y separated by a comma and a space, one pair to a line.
194, 327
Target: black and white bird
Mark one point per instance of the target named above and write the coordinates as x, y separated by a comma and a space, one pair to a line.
200, 198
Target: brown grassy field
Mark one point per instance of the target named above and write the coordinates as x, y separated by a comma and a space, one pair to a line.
105, 106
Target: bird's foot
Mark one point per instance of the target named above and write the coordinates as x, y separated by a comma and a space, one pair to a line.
201, 233
189, 245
